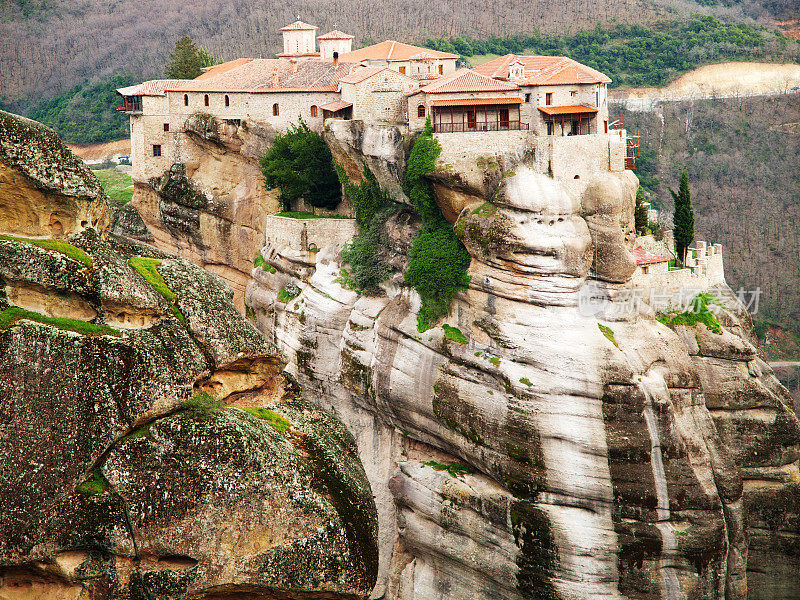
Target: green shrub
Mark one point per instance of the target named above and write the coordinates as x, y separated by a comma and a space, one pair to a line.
366, 254
60, 246
277, 421
456, 470
295, 214
454, 334
10, 315
95, 484
698, 312
300, 165
201, 405
526, 381
438, 261
608, 333
259, 261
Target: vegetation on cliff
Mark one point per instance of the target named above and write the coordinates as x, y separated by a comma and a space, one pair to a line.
300, 165
372, 206
438, 261
683, 217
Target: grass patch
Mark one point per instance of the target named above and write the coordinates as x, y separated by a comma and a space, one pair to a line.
487, 209
118, 185
142, 432
453, 469
295, 214
526, 381
495, 361
11, 315
95, 485
259, 261
286, 296
608, 333
201, 405
278, 422
148, 269
454, 334
60, 246
698, 312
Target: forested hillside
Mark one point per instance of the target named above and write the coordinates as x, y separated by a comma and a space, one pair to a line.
741, 157
48, 46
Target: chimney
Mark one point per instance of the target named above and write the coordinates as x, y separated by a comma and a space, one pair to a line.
335, 59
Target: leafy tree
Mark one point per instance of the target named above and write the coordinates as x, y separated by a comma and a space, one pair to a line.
683, 217
438, 261
188, 60
640, 214
300, 165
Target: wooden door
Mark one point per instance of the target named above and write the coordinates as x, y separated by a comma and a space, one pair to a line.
503, 118
471, 121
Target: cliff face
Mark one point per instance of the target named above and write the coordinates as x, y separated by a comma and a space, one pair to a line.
610, 456
150, 445
209, 208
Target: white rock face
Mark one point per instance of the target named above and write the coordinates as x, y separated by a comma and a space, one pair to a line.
597, 469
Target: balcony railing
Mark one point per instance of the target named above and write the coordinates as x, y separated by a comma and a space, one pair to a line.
479, 126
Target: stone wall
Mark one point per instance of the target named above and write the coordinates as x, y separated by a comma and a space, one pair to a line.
303, 235
372, 97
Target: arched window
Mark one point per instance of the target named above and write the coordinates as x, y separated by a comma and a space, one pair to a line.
313, 110
421, 110
186, 99
227, 100
205, 99
275, 110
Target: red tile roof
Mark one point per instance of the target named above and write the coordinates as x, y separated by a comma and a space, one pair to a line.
643, 257
155, 87
466, 80
543, 70
391, 50
476, 101
335, 35
567, 110
336, 105
299, 26
222, 68
264, 75
361, 73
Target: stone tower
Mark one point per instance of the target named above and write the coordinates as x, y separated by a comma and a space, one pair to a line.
299, 40
334, 41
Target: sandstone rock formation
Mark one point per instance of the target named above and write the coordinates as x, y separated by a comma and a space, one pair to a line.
209, 207
609, 455
150, 445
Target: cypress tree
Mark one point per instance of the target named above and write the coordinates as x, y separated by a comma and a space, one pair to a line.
188, 60
683, 217
640, 214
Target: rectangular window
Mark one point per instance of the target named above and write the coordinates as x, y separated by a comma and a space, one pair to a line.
166, 126
548, 98
605, 125
573, 93
441, 69
403, 70
597, 99
156, 149
549, 128
527, 97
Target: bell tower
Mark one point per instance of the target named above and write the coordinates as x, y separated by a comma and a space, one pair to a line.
299, 40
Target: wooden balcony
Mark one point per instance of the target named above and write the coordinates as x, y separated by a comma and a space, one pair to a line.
479, 126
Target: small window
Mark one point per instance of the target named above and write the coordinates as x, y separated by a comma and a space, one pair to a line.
166, 126
205, 99
597, 99
313, 110
577, 177
605, 126
527, 97
227, 100
421, 110
573, 93
275, 110
403, 70
549, 128
186, 99
548, 98
156, 149
441, 69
